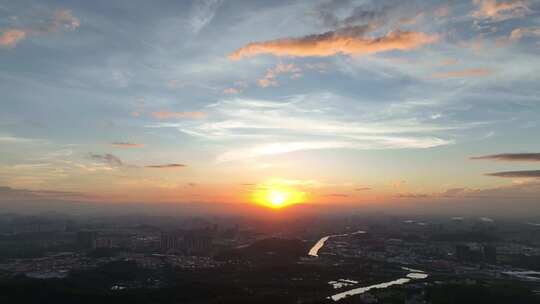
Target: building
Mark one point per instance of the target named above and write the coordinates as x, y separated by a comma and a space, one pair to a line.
475, 253
490, 254
103, 243
192, 242
86, 240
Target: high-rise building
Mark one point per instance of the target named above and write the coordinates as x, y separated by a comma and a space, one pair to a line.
86, 240
490, 254
475, 253
187, 242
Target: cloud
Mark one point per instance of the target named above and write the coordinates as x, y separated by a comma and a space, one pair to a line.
524, 190
237, 87
289, 147
167, 115
166, 166
413, 195
449, 61
62, 20
329, 15
478, 72
442, 11
362, 189
10, 37
519, 33
8, 193
269, 78
120, 144
253, 128
534, 157
348, 41
231, 91
13, 139
337, 195
517, 174
500, 10
202, 13
108, 159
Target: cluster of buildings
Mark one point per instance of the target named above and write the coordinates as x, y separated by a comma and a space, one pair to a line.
476, 253
89, 248
193, 242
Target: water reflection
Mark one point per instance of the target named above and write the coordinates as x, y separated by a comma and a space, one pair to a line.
314, 251
413, 274
356, 291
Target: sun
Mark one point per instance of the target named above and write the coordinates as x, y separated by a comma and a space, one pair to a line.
276, 196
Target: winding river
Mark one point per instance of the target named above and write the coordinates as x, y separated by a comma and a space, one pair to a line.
314, 251
413, 273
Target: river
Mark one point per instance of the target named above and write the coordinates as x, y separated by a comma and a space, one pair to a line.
414, 274
314, 251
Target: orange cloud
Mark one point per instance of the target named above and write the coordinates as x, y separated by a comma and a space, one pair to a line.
62, 20
500, 9
519, 33
231, 91
11, 37
348, 41
167, 115
270, 78
479, 72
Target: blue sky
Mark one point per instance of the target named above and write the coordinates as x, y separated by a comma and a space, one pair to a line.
191, 101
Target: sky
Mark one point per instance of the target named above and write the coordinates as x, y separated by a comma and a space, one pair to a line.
360, 103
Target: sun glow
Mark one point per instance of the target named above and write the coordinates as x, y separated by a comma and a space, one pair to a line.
277, 196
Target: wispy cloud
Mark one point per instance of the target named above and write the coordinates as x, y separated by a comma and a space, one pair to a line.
168, 115
449, 61
123, 144
270, 78
517, 174
166, 166
108, 159
231, 91
202, 13
337, 195
442, 11
328, 14
14, 139
306, 123
346, 41
62, 20
478, 72
500, 9
289, 147
519, 33
362, 189
525, 190
531, 157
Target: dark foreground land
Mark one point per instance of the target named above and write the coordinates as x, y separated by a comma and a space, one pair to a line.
461, 264
270, 283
